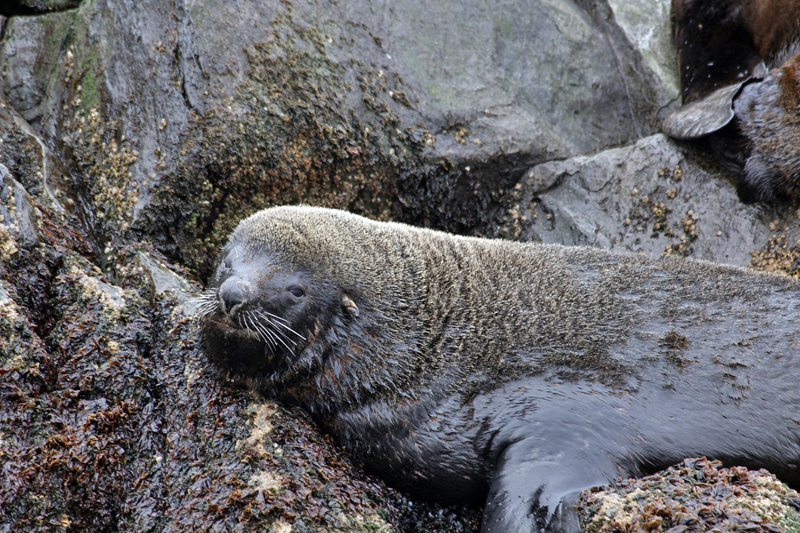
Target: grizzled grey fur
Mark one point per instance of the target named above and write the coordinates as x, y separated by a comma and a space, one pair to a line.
465, 369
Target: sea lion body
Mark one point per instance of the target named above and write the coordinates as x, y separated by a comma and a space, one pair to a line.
738, 62
465, 369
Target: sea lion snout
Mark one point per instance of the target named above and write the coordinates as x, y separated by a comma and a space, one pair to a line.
233, 293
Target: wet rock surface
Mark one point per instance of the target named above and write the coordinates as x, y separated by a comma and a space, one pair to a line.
696, 495
135, 135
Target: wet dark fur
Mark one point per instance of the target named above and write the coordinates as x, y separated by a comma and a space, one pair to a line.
462, 369
751, 44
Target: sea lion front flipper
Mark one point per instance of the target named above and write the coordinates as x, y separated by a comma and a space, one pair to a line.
534, 490
702, 116
716, 56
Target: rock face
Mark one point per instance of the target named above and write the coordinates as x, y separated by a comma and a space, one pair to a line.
109, 416
135, 135
367, 106
656, 197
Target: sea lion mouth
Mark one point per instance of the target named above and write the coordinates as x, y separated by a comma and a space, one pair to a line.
229, 327
240, 352
249, 344
271, 329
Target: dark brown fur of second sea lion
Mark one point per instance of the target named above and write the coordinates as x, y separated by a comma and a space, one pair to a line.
739, 83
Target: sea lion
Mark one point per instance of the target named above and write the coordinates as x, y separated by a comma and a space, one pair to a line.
738, 63
462, 369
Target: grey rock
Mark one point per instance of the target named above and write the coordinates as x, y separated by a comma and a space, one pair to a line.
542, 80
539, 78
27, 157
647, 26
16, 209
162, 280
657, 196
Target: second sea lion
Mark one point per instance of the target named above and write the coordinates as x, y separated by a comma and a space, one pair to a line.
473, 370
738, 63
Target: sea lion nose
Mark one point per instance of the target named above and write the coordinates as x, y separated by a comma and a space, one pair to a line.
233, 293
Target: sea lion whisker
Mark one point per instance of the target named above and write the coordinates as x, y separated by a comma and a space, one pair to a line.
264, 333
283, 342
247, 320
285, 337
199, 310
279, 321
278, 332
209, 307
208, 295
274, 333
290, 330
200, 315
203, 305
268, 337
242, 321
273, 321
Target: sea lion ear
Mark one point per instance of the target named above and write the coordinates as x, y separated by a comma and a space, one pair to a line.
349, 306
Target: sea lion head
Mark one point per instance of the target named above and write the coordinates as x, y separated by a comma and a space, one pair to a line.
304, 305
271, 296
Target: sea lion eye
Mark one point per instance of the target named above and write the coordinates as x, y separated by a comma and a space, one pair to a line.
297, 292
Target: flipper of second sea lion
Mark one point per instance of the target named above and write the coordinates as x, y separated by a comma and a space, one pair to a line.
704, 115
716, 57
